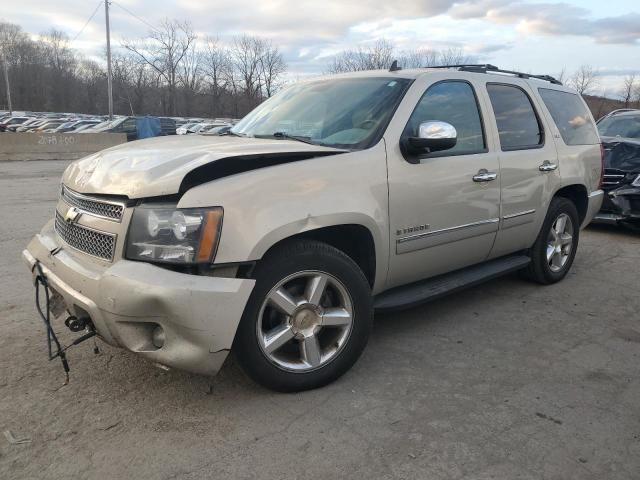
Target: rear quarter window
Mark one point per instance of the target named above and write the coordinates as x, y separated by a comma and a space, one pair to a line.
571, 116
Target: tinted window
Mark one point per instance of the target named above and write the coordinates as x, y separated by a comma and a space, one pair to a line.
627, 126
518, 125
454, 103
570, 116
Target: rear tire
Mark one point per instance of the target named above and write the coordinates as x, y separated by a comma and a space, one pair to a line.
307, 320
555, 248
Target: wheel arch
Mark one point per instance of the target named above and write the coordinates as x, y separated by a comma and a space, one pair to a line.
578, 194
353, 239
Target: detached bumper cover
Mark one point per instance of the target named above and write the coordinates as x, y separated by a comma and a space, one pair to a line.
620, 205
127, 300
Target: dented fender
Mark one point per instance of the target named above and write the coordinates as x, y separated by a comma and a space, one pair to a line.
350, 188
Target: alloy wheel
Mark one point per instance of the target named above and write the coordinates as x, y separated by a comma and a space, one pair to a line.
560, 243
305, 321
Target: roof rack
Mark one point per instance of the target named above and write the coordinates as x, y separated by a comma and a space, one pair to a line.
488, 68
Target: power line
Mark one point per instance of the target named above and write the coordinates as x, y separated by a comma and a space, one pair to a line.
136, 17
87, 23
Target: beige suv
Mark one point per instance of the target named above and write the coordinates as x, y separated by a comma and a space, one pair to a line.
336, 197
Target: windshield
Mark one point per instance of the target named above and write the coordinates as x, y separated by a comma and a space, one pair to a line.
344, 113
627, 126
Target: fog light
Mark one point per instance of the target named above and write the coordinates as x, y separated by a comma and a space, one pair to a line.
158, 337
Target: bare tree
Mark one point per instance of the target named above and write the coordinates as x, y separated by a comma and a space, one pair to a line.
376, 56
584, 79
562, 75
272, 66
216, 67
162, 73
190, 76
164, 50
245, 53
381, 54
455, 56
629, 89
419, 58
94, 82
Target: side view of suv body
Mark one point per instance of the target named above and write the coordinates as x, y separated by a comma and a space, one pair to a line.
336, 197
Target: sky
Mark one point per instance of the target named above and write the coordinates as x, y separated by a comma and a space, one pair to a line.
541, 37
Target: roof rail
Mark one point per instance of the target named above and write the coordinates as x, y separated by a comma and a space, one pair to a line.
488, 68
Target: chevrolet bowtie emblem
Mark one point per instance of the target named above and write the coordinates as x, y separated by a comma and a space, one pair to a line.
72, 215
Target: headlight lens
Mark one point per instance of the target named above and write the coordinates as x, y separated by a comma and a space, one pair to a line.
166, 234
636, 182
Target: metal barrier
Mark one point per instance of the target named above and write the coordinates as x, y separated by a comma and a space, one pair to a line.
50, 146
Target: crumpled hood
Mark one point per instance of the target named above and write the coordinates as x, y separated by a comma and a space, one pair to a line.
157, 166
622, 154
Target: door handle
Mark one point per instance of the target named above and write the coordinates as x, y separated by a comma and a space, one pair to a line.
547, 166
484, 175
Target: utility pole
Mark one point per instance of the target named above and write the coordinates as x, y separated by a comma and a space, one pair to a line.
109, 81
6, 80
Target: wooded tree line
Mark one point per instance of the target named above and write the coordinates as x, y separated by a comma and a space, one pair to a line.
171, 71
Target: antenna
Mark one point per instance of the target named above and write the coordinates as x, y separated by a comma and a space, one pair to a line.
394, 66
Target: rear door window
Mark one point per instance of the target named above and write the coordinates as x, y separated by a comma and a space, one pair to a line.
518, 125
571, 116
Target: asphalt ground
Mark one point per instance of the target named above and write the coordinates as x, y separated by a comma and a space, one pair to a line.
508, 380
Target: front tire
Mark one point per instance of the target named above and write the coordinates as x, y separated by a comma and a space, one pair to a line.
307, 320
555, 248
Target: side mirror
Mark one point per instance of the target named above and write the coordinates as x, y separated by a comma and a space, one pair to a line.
432, 136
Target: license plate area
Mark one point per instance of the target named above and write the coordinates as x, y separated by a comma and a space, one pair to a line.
57, 305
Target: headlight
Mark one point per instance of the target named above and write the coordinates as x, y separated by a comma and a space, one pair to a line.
166, 234
636, 182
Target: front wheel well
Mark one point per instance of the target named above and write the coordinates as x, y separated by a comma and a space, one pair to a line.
354, 240
578, 195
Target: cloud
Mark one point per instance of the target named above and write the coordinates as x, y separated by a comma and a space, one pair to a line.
326, 19
552, 19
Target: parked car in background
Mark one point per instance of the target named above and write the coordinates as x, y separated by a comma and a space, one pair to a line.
82, 128
74, 125
217, 130
184, 129
214, 128
22, 126
29, 125
12, 121
387, 189
620, 134
47, 126
127, 125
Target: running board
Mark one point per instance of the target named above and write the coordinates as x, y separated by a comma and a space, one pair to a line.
426, 290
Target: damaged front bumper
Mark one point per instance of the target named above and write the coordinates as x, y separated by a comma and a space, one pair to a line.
132, 304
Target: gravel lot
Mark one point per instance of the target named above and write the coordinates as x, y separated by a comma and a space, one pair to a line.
508, 380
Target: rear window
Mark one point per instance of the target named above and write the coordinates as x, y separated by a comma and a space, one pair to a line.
571, 116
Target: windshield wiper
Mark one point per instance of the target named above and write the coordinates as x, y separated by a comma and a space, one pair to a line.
297, 138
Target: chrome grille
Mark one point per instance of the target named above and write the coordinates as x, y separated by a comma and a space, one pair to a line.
87, 240
93, 206
612, 178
